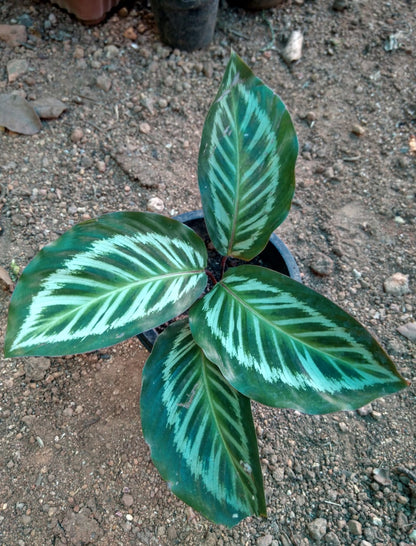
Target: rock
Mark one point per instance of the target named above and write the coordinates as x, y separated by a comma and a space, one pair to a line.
111, 51
317, 528
155, 204
397, 284
127, 500
104, 82
132, 164
77, 134
265, 540
130, 34
408, 330
357, 130
145, 128
48, 107
293, 50
16, 68
382, 476
339, 5
355, 527
6, 282
17, 115
13, 35
36, 367
331, 539
322, 265
81, 527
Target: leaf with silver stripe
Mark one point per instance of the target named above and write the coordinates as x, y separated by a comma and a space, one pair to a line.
246, 163
200, 430
104, 281
283, 344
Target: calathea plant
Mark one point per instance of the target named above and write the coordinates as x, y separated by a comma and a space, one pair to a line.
256, 334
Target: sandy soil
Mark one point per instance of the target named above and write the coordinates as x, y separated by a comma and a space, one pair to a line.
74, 466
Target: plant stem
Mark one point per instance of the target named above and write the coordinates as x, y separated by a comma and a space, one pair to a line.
223, 262
211, 276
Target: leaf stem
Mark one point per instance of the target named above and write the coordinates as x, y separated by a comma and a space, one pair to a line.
211, 276
223, 262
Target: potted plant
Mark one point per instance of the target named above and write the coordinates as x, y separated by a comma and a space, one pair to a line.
185, 24
255, 334
90, 12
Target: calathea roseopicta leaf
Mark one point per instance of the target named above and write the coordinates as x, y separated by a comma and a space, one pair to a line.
200, 430
104, 281
246, 163
283, 344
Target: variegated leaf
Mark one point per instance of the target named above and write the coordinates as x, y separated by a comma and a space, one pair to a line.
103, 281
200, 430
246, 163
284, 345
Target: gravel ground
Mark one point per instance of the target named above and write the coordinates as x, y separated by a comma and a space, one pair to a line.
74, 466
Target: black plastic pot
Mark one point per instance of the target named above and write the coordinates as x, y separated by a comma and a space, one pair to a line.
186, 25
275, 256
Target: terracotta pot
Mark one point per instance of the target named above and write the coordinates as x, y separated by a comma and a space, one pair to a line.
185, 24
275, 256
90, 12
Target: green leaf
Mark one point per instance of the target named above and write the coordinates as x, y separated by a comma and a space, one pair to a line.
200, 431
246, 163
104, 281
284, 345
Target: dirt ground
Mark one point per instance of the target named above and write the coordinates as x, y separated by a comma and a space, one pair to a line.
74, 466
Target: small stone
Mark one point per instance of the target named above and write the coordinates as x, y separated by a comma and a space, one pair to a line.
13, 35
402, 520
382, 476
101, 166
265, 540
155, 204
408, 330
79, 52
343, 427
365, 543
127, 500
68, 412
365, 410
6, 282
36, 367
77, 134
16, 68
339, 5
412, 535
317, 528
48, 107
104, 82
322, 265
293, 50
130, 34
401, 499
144, 128
111, 51
355, 527
397, 284
357, 130
331, 539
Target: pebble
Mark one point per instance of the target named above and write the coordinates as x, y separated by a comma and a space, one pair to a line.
13, 35
155, 204
293, 50
357, 129
16, 68
265, 540
48, 107
397, 284
382, 476
6, 282
111, 51
339, 5
322, 265
355, 527
317, 528
127, 500
77, 134
145, 128
130, 34
36, 367
331, 539
104, 82
408, 330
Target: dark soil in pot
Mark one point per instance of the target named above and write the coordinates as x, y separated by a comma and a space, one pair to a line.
275, 256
